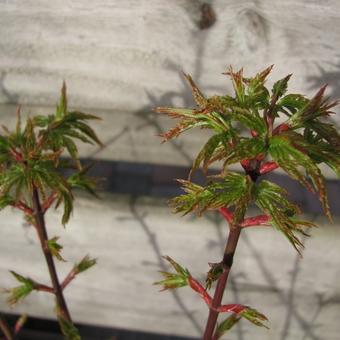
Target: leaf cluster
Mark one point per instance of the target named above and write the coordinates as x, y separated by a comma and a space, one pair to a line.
246, 130
174, 280
31, 157
84, 264
18, 293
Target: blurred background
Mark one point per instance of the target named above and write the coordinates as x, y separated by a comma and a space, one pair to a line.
120, 59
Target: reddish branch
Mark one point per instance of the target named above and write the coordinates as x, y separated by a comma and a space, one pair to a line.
43, 288
247, 222
43, 237
70, 276
227, 262
19, 324
23, 207
49, 201
255, 220
268, 167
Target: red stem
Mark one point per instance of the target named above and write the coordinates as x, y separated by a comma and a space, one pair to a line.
227, 261
255, 220
227, 214
247, 222
22, 206
70, 276
43, 237
44, 288
268, 167
49, 201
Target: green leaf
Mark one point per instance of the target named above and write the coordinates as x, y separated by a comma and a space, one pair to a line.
280, 87
16, 294
55, 248
82, 181
226, 325
254, 317
230, 190
84, 264
68, 329
208, 150
291, 103
246, 312
247, 148
88, 131
271, 199
42, 121
192, 118
6, 200
316, 107
250, 120
11, 177
292, 159
327, 132
172, 280
257, 94
71, 148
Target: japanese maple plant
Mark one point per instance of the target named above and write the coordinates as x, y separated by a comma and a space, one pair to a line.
261, 130
32, 180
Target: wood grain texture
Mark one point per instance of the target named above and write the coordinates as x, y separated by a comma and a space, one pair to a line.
128, 55
121, 59
128, 239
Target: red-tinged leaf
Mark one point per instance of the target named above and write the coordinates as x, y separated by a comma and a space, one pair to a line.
254, 317
176, 130
237, 80
200, 100
316, 107
176, 112
261, 76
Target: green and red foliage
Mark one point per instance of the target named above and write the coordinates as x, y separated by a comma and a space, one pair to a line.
261, 130
32, 180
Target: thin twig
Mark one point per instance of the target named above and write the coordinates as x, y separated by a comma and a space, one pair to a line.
43, 237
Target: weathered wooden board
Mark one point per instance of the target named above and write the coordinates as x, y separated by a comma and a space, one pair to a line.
300, 297
126, 58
